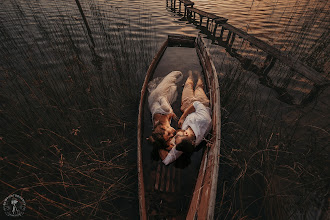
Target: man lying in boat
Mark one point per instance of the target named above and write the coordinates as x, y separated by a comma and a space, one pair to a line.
195, 123
163, 92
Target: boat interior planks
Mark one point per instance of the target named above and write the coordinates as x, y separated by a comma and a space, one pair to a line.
185, 188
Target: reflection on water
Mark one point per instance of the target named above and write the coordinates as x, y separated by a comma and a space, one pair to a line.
273, 21
69, 105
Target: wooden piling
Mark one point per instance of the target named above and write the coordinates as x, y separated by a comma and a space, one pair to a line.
221, 33
179, 7
86, 23
186, 4
232, 40
228, 37
215, 30
268, 64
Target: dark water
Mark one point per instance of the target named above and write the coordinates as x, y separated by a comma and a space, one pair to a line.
69, 104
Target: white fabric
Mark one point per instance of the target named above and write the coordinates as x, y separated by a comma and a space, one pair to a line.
200, 121
163, 93
172, 155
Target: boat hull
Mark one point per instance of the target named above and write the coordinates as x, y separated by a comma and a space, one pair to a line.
185, 189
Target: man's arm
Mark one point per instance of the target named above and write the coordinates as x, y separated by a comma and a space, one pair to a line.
162, 154
188, 110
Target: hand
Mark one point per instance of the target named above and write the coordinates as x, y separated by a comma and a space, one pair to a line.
180, 122
162, 154
169, 148
175, 117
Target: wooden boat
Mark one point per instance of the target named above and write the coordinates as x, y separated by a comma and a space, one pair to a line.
173, 192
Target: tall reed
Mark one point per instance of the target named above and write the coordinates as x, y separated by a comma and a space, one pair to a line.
68, 109
274, 154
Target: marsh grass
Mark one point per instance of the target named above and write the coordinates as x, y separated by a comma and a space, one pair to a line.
273, 156
68, 119
68, 110
273, 162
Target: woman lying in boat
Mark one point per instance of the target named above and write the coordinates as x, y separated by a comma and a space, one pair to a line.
162, 95
195, 123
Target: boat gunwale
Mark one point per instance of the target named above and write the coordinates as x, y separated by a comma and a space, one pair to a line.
152, 67
210, 157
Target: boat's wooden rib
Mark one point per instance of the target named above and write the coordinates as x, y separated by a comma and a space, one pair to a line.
161, 188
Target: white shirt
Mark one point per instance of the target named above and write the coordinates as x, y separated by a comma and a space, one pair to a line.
200, 121
172, 155
161, 106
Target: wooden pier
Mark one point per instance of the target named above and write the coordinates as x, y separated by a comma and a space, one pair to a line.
218, 28
275, 53
186, 4
191, 15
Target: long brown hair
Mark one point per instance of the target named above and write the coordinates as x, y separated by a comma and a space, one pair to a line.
157, 138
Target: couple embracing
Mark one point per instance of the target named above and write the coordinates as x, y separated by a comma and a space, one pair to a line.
194, 124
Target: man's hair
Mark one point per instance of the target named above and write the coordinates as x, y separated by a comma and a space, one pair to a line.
186, 145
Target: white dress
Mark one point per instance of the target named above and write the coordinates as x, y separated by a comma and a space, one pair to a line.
200, 121
163, 92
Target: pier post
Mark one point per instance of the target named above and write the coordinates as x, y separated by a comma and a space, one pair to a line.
200, 20
86, 23
166, 3
232, 40
174, 5
179, 7
214, 30
221, 33
268, 64
207, 23
228, 37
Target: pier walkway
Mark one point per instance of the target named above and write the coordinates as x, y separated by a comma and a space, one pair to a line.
218, 29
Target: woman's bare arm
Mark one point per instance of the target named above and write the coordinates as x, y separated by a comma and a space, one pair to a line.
173, 115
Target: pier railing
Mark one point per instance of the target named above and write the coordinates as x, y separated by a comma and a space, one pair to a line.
226, 34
